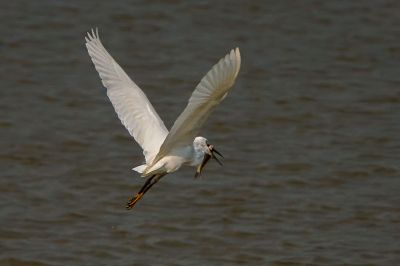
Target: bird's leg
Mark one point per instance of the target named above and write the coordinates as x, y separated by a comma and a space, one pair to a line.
139, 195
149, 183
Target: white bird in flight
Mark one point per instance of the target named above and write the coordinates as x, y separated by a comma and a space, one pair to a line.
165, 152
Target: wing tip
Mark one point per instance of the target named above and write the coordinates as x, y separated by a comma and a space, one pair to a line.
237, 52
235, 56
92, 35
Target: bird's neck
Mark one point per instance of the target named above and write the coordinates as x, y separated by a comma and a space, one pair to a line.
197, 156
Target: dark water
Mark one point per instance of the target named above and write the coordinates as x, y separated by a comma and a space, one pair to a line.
310, 134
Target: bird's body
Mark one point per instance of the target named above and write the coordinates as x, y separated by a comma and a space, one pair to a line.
171, 162
191, 155
165, 152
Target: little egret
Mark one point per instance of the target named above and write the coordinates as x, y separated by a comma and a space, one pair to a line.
165, 152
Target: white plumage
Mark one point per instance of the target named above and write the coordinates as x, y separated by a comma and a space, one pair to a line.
164, 151
131, 104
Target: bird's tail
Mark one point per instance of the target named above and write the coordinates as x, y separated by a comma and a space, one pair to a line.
140, 168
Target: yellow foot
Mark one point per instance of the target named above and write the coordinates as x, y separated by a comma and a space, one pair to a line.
133, 201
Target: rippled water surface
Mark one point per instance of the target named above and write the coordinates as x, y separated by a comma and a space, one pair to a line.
310, 134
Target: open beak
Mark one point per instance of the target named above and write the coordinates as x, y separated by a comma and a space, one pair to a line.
212, 150
206, 158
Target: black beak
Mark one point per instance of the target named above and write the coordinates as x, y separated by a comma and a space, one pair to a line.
206, 158
212, 149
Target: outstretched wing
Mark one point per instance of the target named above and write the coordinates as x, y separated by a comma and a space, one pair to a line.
211, 90
130, 103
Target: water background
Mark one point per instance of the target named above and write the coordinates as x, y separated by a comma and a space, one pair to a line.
310, 134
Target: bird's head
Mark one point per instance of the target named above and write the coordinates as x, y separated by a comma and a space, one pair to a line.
207, 150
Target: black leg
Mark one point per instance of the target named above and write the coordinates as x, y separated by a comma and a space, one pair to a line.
147, 185
152, 182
